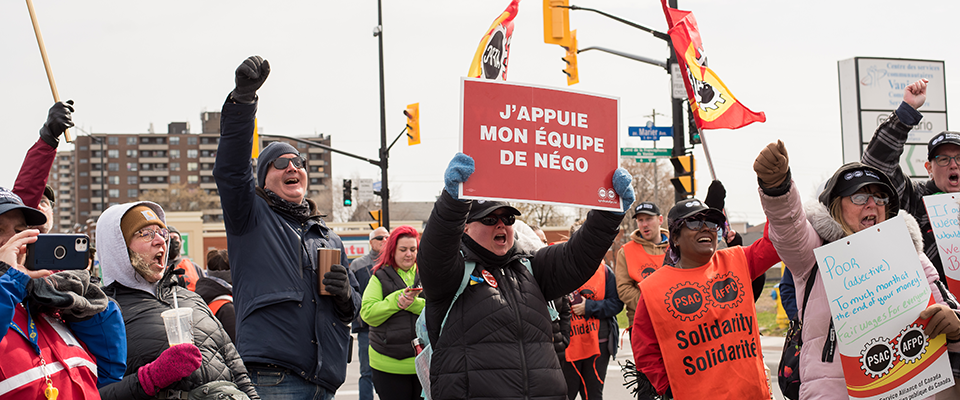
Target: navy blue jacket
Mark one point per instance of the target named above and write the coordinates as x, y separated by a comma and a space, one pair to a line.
281, 318
606, 311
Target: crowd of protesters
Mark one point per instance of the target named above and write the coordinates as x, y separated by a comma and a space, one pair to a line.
502, 312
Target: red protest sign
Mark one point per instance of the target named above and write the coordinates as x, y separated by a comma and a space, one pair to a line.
535, 144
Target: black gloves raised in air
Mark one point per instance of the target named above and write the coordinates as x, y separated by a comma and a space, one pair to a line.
250, 76
59, 118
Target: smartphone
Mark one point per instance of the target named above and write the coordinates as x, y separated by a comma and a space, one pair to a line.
56, 251
415, 289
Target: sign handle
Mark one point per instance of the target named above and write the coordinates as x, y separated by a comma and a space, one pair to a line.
46, 63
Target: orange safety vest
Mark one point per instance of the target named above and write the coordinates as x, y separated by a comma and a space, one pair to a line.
70, 367
584, 338
218, 302
640, 264
190, 276
705, 323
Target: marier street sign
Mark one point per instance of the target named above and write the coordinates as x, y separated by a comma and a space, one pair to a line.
645, 152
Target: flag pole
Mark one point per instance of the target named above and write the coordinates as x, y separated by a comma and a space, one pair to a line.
706, 152
46, 62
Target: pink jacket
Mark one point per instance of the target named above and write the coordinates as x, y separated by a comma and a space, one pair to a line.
795, 231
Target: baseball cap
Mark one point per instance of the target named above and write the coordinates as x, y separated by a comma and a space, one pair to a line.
689, 207
10, 201
482, 208
942, 138
853, 176
646, 207
49, 193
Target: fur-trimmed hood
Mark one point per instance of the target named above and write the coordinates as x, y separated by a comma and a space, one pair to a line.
830, 230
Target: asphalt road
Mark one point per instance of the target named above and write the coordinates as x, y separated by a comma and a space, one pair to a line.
613, 388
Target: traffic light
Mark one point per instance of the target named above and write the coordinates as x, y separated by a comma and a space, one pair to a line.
375, 214
571, 60
413, 123
556, 22
347, 193
684, 182
694, 131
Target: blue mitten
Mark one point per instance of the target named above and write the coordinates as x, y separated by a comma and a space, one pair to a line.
623, 184
458, 171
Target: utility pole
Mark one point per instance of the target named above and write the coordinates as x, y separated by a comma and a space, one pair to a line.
656, 173
679, 147
384, 151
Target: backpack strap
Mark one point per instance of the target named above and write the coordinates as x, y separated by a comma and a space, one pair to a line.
219, 301
826, 355
468, 267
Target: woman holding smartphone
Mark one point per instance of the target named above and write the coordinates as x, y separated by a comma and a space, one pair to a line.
391, 304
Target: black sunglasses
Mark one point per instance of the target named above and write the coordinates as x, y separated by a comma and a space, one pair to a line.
381, 237
697, 224
281, 163
491, 220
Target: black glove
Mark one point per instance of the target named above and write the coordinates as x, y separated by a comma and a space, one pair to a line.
59, 118
250, 76
338, 283
715, 195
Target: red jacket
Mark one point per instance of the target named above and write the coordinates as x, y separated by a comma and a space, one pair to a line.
32, 178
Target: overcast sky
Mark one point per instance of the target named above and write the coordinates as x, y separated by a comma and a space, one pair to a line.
129, 64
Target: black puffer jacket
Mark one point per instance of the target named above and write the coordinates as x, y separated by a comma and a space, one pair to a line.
498, 341
147, 339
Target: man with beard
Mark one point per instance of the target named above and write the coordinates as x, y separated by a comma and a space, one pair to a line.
132, 241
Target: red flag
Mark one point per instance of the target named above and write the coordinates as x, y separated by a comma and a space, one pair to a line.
712, 104
490, 61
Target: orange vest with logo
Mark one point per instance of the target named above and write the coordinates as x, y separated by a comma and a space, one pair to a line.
584, 338
705, 323
190, 276
639, 263
71, 369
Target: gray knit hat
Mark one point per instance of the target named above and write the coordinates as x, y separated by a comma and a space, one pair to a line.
270, 153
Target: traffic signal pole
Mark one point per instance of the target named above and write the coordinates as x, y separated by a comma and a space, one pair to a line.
384, 150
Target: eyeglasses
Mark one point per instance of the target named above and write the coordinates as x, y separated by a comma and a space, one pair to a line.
944, 161
147, 235
381, 237
281, 163
697, 224
491, 220
861, 198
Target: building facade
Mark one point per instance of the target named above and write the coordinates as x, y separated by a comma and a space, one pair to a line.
108, 169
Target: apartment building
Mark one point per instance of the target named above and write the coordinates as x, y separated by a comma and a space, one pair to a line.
108, 169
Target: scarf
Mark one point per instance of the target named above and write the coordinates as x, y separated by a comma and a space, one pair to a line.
300, 212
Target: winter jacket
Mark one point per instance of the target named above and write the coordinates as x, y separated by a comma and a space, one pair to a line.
281, 317
498, 341
884, 153
795, 231
209, 288
142, 303
32, 178
628, 289
97, 338
362, 269
561, 327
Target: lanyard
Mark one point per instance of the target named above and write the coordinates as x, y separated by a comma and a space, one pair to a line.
31, 334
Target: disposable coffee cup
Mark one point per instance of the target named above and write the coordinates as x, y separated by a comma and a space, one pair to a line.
179, 325
325, 258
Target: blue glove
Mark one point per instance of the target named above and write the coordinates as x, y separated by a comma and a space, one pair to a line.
458, 171
623, 184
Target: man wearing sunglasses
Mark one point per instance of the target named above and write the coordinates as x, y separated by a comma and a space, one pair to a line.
293, 340
133, 243
362, 268
943, 164
497, 340
702, 304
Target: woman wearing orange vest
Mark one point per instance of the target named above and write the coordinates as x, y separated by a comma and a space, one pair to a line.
695, 331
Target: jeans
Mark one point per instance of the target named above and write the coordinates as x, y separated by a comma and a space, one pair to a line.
366, 373
283, 384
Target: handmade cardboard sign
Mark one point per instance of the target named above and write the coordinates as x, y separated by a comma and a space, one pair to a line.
943, 210
535, 144
877, 288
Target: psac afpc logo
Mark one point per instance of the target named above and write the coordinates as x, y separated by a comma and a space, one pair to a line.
606, 195
880, 355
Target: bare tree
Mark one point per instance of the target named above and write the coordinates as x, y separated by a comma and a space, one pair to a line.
182, 197
651, 182
544, 214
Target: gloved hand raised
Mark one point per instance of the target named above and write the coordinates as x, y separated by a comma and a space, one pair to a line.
250, 76
338, 283
59, 118
174, 364
623, 185
716, 195
458, 171
772, 165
